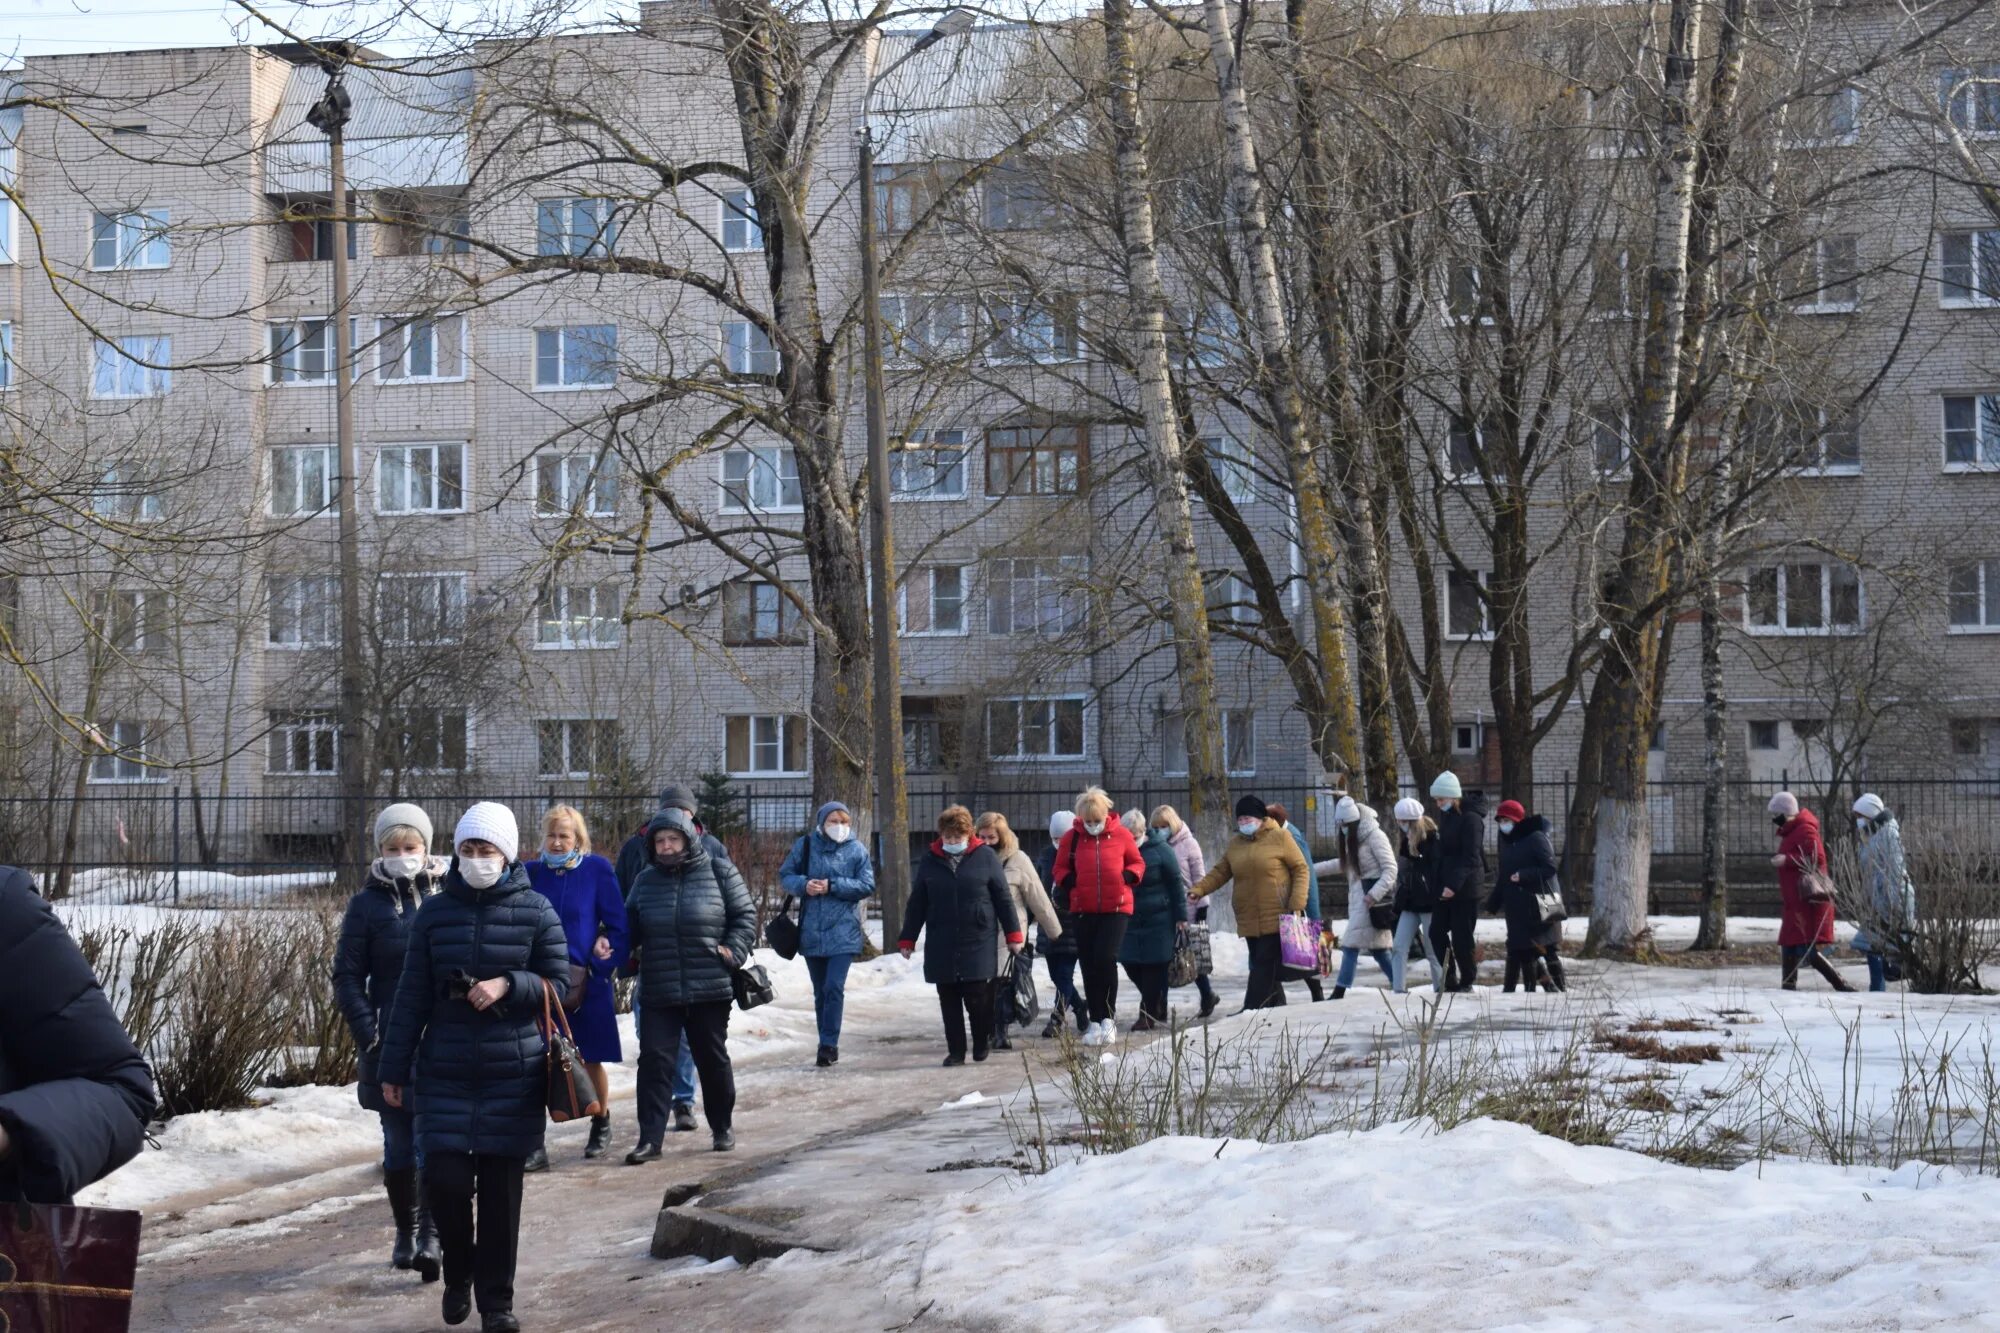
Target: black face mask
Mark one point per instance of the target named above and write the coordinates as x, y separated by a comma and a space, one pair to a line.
669, 860
1778, 821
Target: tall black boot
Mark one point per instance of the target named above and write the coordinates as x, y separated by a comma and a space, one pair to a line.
428, 1259
401, 1186
1825, 969
1556, 972
600, 1136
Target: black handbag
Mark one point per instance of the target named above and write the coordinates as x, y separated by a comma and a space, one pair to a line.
781, 932
752, 985
1382, 916
1021, 976
570, 1093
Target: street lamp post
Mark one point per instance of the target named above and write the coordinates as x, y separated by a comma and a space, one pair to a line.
892, 813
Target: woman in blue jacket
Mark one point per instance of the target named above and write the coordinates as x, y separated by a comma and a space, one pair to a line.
465, 1039
829, 873
583, 888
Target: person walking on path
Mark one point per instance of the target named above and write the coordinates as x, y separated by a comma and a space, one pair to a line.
75, 1094
1416, 892
485, 955
1097, 865
1270, 879
583, 888
829, 873
1888, 898
1193, 866
1159, 920
692, 926
1527, 868
1030, 900
1370, 865
1059, 951
367, 964
959, 893
1461, 879
1311, 977
1808, 916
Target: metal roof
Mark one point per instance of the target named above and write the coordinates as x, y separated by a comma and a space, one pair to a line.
407, 129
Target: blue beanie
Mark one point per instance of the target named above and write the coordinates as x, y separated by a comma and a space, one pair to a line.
1446, 787
819, 820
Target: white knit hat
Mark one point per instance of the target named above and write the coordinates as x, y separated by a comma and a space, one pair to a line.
490, 821
403, 815
1446, 787
1869, 806
1345, 811
1410, 808
1784, 803
1060, 823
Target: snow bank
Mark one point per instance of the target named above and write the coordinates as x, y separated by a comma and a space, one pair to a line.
191, 888
1490, 1225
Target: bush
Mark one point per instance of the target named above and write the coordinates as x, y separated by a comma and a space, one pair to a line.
321, 1045
1957, 929
230, 1018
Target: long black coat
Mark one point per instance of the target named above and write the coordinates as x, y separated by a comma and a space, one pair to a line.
1462, 848
1063, 945
75, 1094
368, 962
679, 917
477, 1079
1417, 874
1528, 852
966, 907
1159, 905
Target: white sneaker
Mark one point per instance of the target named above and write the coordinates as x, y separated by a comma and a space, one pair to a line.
1110, 1032
1093, 1035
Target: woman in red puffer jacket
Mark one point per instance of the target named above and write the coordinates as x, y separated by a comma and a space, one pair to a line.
1808, 923
1097, 865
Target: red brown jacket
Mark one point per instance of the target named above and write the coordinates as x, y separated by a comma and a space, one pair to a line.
1099, 872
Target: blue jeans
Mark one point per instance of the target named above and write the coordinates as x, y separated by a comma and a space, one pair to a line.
399, 1140
682, 1086
1351, 958
1062, 971
1418, 924
1878, 971
829, 978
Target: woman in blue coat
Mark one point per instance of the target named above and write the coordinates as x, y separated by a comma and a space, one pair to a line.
583, 888
829, 873
465, 1040
1159, 919
367, 964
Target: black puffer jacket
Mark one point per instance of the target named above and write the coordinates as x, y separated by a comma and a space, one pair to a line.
1528, 852
966, 907
1063, 945
1462, 847
75, 1095
680, 917
1417, 874
476, 1079
368, 962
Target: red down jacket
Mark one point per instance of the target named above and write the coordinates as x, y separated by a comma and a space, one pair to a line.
1099, 871
1801, 846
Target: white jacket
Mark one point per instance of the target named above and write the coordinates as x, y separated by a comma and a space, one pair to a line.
1378, 863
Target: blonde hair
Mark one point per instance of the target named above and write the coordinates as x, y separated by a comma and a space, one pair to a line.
1135, 823
1422, 830
1093, 798
954, 819
575, 818
1168, 818
1004, 842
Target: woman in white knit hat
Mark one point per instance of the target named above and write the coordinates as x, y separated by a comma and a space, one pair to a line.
1888, 898
464, 1040
366, 966
1419, 854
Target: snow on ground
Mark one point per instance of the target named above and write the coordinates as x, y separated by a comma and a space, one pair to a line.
111, 886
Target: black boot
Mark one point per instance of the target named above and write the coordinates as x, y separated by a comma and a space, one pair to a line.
683, 1118
1313, 989
1054, 1025
538, 1160
1825, 969
644, 1153
457, 1302
1340, 992
723, 1140
824, 1059
500, 1321
1556, 980
402, 1189
600, 1136
429, 1258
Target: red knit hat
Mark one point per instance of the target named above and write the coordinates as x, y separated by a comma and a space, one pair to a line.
1510, 810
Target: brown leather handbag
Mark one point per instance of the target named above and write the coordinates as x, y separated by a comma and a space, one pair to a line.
67, 1269
571, 1094
579, 986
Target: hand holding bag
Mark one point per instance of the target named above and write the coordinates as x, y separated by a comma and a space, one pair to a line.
1382, 916
571, 1094
1021, 976
782, 932
1298, 942
1549, 902
752, 985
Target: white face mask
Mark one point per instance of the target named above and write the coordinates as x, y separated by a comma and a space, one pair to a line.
1861, 827
840, 832
1248, 827
1506, 826
956, 848
402, 867
1094, 827
481, 872
1406, 826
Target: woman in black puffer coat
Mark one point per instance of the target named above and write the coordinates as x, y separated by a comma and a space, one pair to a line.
367, 963
692, 925
1059, 952
1527, 867
959, 893
465, 1038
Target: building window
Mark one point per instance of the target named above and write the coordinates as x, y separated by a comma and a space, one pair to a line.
1035, 728
1804, 438
1764, 735
1804, 599
1615, 130
1019, 198
414, 609
1035, 596
1468, 615
1230, 599
304, 611
1239, 742
1466, 443
759, 614
933, 601
760, 479
1468, 738
1968, 737
303, 745
1217, 335
928, 465
420, 479
132, 367
6, 355
1035, 460
302, 479
932, 734
1973, 596
921, 327
1830, 276
586, 615
6, 200
765, 745
307, 230
128, 494
1034, 329
419, 349
1611, 281
1235, 470
741, 232
576, 483
904, 193
576, 747
747, 349
123, 753
129, 240
1611, 438
130, 620
426, 740
580, 228
1970, 98
579, 356
1971, 432
1969, 268
424, 222
301, 352
1824, 120
1465, 294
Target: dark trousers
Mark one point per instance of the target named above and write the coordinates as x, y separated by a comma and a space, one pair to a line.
485, 1258
1264, 990
962, 1003
1099, 935
706, 1027
1151, 979
1452, 925
1529, 965
1062, 971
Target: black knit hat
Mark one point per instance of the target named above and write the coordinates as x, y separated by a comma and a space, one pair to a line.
677, 798
1251, 806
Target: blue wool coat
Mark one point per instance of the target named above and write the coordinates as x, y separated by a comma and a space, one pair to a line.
829, 925
477, 1080
1159, 904
367, 964
589, 903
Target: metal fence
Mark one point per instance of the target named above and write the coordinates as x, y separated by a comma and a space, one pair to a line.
168, 845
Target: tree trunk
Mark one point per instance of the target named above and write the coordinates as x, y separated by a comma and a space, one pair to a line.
1713, 932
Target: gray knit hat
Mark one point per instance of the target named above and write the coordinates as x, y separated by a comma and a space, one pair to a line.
403, 815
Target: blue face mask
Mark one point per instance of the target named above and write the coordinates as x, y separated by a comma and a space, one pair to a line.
1159, 835
562, 860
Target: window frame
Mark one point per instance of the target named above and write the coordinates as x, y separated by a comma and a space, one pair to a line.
454, 605
1815, 271
134, 506
292, 591
159, 378
730, 213
1618, 416
1985, 432
1029, 465
1010, 315
568, 733
1754, 727
934, 444
389, 327
1066, 575
288, 727
929, 574
1782, 592
1985, 594
6, 350
128, 239
399, 723
741, 352
1085, 708
1234, 722
774, 467
920, 325
281, 369
1482, 605
555, 607
1982, 263
437, 483
600, 242
1978, 88
1847, 138
135, 754
741, 616
1455, 426
791, 731
142, 612
570, 352
561, 501
329, 478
